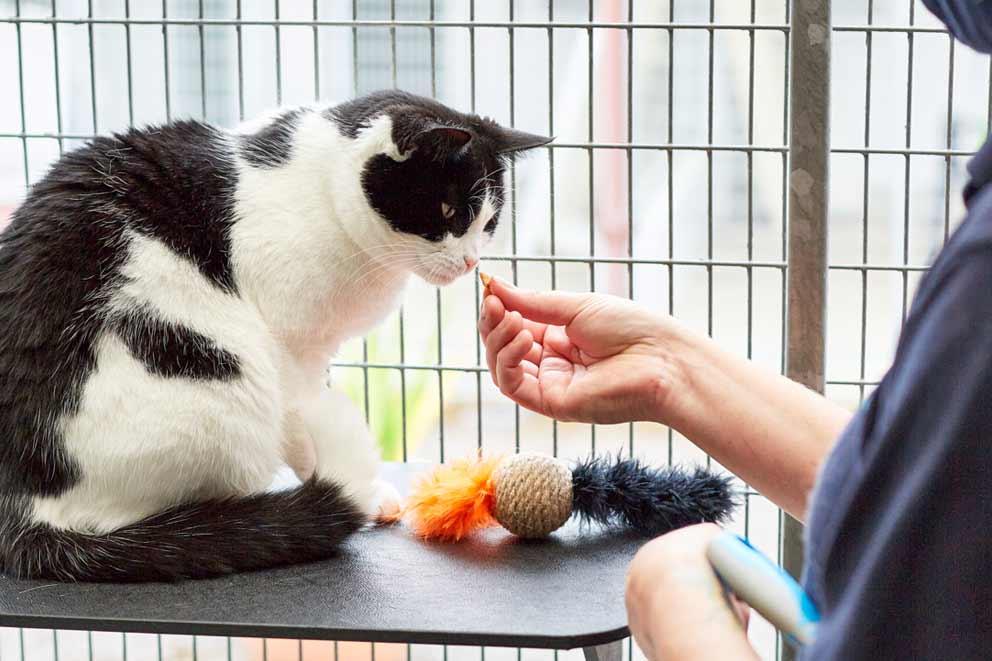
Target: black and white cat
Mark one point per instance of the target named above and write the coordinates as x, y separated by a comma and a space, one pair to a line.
169, 301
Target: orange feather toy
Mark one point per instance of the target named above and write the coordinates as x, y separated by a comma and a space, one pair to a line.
454, 500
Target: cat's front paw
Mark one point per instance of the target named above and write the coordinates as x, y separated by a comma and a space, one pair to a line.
387, 505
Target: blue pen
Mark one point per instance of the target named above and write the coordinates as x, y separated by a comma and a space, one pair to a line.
766, 587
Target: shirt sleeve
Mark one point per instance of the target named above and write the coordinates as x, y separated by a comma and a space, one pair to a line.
908, 570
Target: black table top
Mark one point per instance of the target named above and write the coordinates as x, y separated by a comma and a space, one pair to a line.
386, 586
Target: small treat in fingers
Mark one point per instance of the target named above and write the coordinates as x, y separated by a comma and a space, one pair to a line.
486, 279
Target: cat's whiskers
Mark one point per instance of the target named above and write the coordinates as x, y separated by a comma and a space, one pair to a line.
369, 251
392, 252
433, 272
486, 175
371, 267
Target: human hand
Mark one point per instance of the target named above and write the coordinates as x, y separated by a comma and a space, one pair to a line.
579, 357
676, 608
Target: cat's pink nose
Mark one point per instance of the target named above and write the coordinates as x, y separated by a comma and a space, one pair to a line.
470, 263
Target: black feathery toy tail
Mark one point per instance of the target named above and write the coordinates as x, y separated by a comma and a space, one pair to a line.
648, 500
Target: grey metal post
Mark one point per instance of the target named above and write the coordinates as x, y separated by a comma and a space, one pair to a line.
605, 652
809, 167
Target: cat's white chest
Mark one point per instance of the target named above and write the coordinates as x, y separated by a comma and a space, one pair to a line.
357, 309
343, 311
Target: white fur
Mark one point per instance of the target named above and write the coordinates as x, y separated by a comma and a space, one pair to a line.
315, 265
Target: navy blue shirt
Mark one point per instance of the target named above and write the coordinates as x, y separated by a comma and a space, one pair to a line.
899, 548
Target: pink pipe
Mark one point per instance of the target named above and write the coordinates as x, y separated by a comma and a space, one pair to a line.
610, 179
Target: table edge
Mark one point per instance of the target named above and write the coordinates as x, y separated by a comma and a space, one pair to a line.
178, 627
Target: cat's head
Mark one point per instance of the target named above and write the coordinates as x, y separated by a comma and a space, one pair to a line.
439, 185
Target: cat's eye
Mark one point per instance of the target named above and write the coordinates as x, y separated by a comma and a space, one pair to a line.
447, 210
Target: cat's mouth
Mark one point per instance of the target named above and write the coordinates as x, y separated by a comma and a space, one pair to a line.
441, 279
442, 276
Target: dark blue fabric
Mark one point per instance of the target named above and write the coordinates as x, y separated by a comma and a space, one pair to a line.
970, 21
899, 548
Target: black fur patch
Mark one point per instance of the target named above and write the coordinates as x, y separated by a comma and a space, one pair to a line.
650, 501
180, 181
441, 168
408, 194
200, 540
170, 350
63, 251
272, 145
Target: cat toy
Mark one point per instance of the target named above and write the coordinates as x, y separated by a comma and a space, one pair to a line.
532, 495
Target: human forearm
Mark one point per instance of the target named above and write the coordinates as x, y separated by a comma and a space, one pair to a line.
769, 430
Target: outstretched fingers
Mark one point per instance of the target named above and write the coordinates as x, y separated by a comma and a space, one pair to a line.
492, 313
515, 375
490, 316
558, 308
497, 339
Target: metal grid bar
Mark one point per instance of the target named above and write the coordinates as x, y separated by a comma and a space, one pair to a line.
750, 221
671, 187
551, 176
910, 36
92, 58
562, 145
390, 24
630, 195
744, 149
203, 62
781, 27
57, 78
950, 119
864, 207
241, 63
513, 180
437, 292
592, 177
129, 59
20, 92
165, 60
316, 54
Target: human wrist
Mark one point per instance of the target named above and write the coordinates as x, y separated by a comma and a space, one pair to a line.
681, 354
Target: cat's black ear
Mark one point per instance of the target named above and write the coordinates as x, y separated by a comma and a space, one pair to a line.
412, 130
442, 141
511, 141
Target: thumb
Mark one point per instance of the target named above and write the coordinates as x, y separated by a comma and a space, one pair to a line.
554, 307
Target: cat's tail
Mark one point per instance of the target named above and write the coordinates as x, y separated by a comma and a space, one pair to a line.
197, 540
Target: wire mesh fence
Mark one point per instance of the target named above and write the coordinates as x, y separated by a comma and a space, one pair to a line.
668, 183
917, 106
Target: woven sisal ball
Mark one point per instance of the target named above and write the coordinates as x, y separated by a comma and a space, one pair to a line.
533, 494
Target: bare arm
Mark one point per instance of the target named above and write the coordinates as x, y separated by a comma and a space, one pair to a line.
597, 358
771, 431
